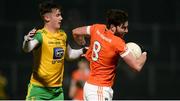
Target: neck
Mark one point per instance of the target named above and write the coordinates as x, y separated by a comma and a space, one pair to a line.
50, 28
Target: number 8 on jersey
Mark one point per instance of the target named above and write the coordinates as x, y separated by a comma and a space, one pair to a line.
96, 49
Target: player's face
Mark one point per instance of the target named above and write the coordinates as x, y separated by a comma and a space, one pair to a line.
122, 29
55, 18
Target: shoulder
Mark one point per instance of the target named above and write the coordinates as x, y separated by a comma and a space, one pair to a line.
41, 31
61, 30
118, 40
119, 43
99, 25
38, 35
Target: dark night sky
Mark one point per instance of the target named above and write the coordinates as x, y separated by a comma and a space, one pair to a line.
153, 23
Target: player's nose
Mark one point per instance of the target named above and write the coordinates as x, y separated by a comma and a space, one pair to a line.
60, 17
126, 31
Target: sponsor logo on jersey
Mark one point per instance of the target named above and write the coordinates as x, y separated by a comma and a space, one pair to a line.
58, 53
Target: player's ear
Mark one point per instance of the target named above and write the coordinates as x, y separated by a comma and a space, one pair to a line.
113, 28
46, 18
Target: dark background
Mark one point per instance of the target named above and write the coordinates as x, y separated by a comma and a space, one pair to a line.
152, 23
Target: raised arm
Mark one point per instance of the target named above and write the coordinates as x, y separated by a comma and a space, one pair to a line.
79, 34
29, 42
85, 30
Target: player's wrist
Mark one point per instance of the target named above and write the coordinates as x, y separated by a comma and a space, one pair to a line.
84, 49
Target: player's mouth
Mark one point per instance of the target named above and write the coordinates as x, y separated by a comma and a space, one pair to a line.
59, 23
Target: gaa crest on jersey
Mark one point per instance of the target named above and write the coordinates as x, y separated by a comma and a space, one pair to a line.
58, 53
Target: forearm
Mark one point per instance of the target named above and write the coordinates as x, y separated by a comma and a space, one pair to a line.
28, 46
135, 64
80, 33
73, 53
25, 46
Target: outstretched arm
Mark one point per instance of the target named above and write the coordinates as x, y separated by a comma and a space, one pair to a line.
74, 53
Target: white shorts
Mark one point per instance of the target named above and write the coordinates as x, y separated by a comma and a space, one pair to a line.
97, 93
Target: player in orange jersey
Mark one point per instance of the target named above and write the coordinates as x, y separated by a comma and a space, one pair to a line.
106, 46
78, 80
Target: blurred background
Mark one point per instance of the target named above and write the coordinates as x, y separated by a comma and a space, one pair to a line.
152, 23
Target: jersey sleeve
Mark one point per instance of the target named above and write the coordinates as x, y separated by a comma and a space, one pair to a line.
90, 29
121, 48
38, 37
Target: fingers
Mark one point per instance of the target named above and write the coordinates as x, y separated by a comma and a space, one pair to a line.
83, 55
30, 35
80, 40
144, 53
87, 48
32, 32
27, 38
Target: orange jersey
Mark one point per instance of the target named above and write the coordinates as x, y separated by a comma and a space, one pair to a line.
79, 75
103, 53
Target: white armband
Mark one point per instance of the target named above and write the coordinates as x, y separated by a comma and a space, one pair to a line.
125, 53
88, 30
74, 53
28, 46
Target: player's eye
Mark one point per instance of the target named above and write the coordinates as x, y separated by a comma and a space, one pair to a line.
124, 27
57, 15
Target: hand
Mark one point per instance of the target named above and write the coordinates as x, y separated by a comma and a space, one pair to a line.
29, 36
144, 56
80, 40
84, 51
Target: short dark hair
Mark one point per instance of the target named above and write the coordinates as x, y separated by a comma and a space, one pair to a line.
116, 17
46, 6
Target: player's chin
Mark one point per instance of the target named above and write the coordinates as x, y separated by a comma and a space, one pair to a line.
58, 26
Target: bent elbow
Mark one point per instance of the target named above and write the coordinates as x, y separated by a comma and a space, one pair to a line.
74, 31
26, 50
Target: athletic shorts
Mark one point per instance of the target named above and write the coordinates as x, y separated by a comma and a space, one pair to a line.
97, 93
44, 93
